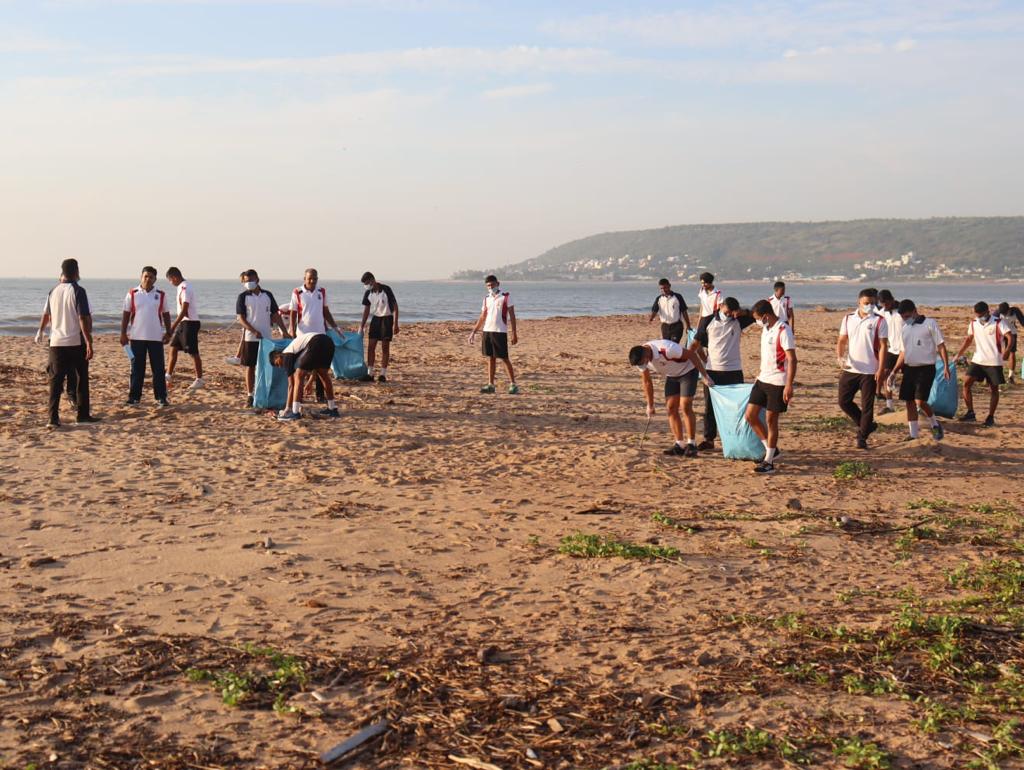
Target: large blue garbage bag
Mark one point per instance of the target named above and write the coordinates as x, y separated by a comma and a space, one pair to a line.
271, 388
348, 361
945, 395
739, 442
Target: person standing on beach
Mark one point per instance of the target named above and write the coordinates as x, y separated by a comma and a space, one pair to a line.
1011, 316
309, 353
381, 308
782, 305
679, 367
718, 341
258, 313
498, 322
922, 343
860, 351
773, 388
890, 312
145, 329
310, 314
709, 298
185, 328
670, 308
67, 314
990, 336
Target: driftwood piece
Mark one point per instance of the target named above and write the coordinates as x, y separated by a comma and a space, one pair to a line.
357, 740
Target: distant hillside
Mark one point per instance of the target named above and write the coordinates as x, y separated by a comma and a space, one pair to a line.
954, 247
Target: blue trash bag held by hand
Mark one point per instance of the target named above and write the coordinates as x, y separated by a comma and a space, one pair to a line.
348, 363
739, 442
944, 398
271, 387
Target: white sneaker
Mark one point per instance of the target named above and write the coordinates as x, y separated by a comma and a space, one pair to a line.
197, 384
233, 361
167, 377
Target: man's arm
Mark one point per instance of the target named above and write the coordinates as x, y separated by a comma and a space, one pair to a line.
293, 317
699, 365
654, 312
512, 325
883, 348
791, 364
394, 311
44, 321
944, 355
329, 320
366, 315
86, 322
841, 344
276, 319
648, 387
967, 344
167, 325
181, 316
479, 324
792, 318
125, 317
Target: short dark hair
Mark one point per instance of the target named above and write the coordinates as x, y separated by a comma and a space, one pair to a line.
1004, 308
762, 307
886, 296
636, 355
872, 293
275, 355
707, 278
664, 282
907, 306
250, 273
780, 284
491, 279
149, 269
173, 272
69, 268
732, 304
367, 277
981, 307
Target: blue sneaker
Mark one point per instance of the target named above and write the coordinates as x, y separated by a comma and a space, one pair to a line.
288, 416
329, 413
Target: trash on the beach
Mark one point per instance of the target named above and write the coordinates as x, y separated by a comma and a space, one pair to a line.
39, 561
357, 740
555, 726
531, 754
794, 504
268, 543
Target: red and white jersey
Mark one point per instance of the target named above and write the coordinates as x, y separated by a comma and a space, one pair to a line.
146, 309
781, 306
309, 309
865, 335
894, 321
988, 340
775, 341
496, 307
709, 301
187, 294
668, 359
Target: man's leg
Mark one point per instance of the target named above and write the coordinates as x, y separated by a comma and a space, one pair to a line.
710, 426
508, 368
492, 365
81, 370
139, 352
156, 367
689, 417
172, 361
773, 429
969, 393
675, 424
371, 354
753, 417
197, 360
868, 388
324, 376
993, 399
385, 353
57, 374
299, 389
849, 384
250, 379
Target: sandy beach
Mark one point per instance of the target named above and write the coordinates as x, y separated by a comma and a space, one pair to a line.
404, 563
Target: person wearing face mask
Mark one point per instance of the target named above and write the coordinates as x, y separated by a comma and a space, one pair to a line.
922, 343
860, 351
145, 329
773, 388
381, 308
498, 321
990, 336
310, 314
718, 342
257, 312
895, 323
679, 367
1011, 316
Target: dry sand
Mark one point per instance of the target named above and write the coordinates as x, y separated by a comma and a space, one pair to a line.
415, 572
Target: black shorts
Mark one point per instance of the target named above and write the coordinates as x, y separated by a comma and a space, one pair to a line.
186, 338
917, 382
1013, 345
250, 352
991, 374
890, 360
685, 386
382, 327
725, 377
768, 396
495, 345
672, 332
319, 354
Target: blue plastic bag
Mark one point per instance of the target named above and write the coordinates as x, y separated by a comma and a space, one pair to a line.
348, 361
944, 398
739, 442
271, 387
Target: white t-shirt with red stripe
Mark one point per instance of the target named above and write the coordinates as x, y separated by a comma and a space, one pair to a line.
709, 301
309, 305
988, 340
147, 310
496, 308
781, 306
865, 335
775, 341
667, 360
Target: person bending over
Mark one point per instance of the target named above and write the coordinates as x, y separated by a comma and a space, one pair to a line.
308, 354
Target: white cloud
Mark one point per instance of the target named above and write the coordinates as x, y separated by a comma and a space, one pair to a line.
518, 91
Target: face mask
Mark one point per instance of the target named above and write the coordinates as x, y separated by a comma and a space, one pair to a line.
866, 309
759, 322
983, 318
367, 286
496, 291
250, 285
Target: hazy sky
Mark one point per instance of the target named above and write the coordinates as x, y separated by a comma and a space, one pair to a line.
416, 137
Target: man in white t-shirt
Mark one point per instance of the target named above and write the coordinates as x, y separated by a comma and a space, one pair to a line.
145, 329
921, 344
860, 350
708, 298
381, 309
894, 321
773, 388
310, 313
185, 328
309, 353
498, 322
782, 305
679, 367
992, 338
257, 312
1011, 316
670, 308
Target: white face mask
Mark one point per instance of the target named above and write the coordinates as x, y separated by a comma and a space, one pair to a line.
367, 286
496, 291
866, 309
759, 322
250, 285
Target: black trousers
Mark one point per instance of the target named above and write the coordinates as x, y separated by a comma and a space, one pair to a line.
154, 350
863, 415
719, 378
68, 364
672, 331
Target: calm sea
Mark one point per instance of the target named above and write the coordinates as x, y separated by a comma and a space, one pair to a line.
21, 299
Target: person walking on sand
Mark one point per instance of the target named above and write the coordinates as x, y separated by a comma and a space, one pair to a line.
145, 329
310, 314
718, 342
381, 308
1011, 316
708, 298
498, 322
67, 314
309, 353
185, 328
922, 344
257, 312
679, 367
670, 308
782, 305
990, 336
773, 388
860, 352
894, 321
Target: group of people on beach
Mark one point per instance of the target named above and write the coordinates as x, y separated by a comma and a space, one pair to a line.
877, 341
